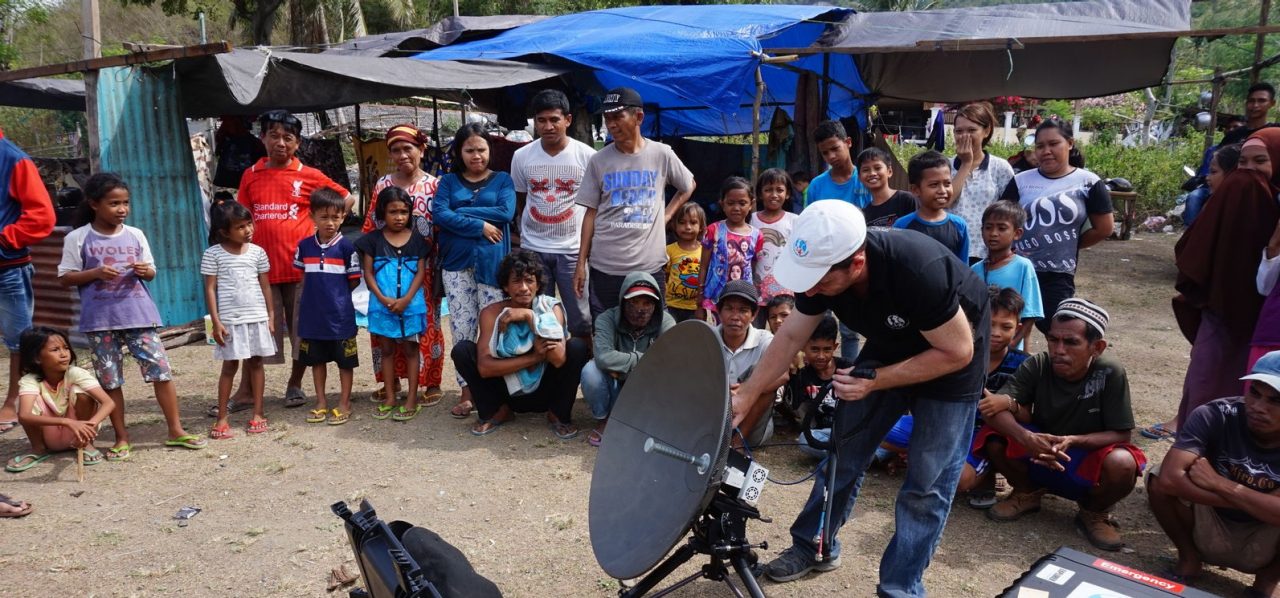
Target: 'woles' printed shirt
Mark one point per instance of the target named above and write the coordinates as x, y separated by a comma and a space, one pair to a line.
122, 302
628, 194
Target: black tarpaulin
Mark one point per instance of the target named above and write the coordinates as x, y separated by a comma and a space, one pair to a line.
251, 81
985, 52
50, 94
443, 33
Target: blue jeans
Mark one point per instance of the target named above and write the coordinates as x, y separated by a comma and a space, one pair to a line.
599, 390
559, 268
820, 435
1195, 202
937, 458
849, 343
17, 304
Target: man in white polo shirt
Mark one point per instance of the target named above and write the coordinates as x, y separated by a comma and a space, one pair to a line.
546, 177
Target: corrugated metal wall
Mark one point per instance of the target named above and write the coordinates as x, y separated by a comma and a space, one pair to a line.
144, 139
56, 306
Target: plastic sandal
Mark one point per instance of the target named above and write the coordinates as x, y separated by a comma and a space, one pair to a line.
187, 441
257, 427
22, 463
338, 418
23, 508
462, 410
119, 453
317, 416
594, 438
564, 431
92, 457
222, 432
1157, 432
431, 397
404, 415
383, 412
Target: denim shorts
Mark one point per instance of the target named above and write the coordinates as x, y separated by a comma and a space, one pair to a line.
17, 304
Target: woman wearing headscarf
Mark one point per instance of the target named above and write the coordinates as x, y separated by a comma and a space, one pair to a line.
406, 144
1218, 302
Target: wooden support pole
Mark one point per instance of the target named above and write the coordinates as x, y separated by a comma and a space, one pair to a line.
92, 64
91, 35
1263, 12
755, 127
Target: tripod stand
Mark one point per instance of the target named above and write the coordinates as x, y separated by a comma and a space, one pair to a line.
720, 533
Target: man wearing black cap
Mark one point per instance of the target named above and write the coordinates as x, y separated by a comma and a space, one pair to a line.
623, 190
1062, 425
743, 345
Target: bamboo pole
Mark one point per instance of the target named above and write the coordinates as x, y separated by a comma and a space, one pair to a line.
755, 126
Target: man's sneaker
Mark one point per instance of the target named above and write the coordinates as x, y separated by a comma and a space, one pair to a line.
793, 564
1017, 505
1099, 529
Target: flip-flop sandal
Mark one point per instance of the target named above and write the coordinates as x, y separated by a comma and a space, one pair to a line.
431, 398
317, 416
462, 410
232, 407
487, 427
338, 418
119, 453
222, 432
381, 393
294, 397
188, 441
404, 415
22, 463
594, 438
564, 431
92, 457
1157, 432
382, 412
24, 508
8, 425
257, 427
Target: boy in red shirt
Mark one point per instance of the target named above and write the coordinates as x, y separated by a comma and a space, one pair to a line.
26, 218
277, 191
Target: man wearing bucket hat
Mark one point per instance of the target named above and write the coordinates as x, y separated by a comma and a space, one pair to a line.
926, 319
624, 190
1214, 493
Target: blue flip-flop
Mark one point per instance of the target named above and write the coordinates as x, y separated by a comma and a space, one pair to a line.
1157, 432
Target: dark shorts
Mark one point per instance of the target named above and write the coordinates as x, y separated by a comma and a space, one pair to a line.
1054, 287
1082, 473
345, 353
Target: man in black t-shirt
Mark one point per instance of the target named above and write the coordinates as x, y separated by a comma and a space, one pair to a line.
926, 319
1258, 102
1215, 492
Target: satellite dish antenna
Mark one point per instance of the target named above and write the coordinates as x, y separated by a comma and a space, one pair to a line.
663, 466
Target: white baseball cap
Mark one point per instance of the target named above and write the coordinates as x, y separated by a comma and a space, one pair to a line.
826, 232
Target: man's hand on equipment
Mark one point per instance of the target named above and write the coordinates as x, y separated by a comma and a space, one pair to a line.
851, 388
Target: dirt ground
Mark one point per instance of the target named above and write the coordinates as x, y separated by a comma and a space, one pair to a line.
514, 502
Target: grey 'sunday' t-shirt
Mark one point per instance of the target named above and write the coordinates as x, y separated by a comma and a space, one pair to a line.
628, 193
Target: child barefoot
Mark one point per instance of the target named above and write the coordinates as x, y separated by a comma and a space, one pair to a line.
683, 259
56, 400
394, 260
330, 269
109, 261
235, 289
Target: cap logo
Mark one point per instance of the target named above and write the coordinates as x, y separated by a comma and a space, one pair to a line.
801, 248
612, 98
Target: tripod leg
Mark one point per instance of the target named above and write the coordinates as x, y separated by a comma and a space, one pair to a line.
743, 567
679, 557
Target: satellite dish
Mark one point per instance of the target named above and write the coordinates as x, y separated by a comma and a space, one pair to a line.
642, 503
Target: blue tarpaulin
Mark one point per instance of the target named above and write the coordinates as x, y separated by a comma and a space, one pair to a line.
696, 64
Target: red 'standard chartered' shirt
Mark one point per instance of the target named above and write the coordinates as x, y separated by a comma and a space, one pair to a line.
280, 201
